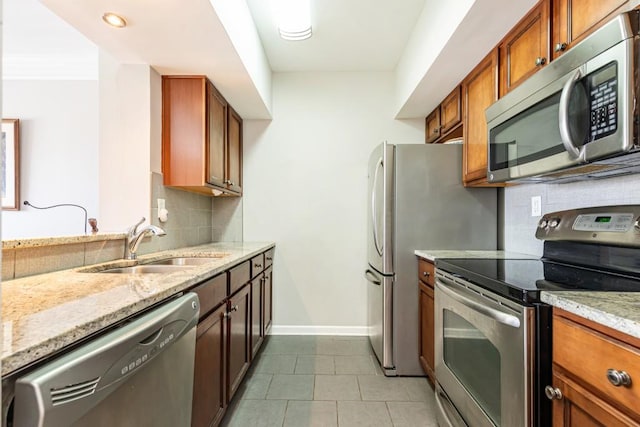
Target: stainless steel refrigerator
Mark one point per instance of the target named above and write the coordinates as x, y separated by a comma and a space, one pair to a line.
416, 201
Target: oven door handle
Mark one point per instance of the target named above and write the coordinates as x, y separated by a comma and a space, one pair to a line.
497, 315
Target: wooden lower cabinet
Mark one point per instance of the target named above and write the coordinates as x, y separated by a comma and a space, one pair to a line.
267, 312
583, 353
426, 270
427, 331
239, 331
257, 330
209, 400
228, 336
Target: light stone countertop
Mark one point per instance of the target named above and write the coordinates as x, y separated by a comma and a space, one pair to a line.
44, 313
34, 242
432, 255
617, 310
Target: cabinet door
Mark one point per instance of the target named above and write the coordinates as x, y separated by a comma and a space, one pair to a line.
239, 330
267, 309
216, 136
579, 408
526, 48
480, 90
209, 383
427, 359
234, 152
432, 126
451, 111
257, 331
575, 19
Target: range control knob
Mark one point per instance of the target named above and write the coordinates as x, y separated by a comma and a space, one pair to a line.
543, 223
554, 222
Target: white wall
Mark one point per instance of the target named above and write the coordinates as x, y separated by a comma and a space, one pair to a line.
520, 226
125, 143
305, 177
59, 154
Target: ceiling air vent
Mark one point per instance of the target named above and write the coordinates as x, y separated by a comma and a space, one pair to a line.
60, 396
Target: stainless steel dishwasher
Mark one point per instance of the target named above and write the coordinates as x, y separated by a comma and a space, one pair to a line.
140, 374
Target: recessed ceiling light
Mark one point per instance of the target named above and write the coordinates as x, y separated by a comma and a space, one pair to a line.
114, 20
293, 18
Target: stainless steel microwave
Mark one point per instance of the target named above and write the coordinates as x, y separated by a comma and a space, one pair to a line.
576, 118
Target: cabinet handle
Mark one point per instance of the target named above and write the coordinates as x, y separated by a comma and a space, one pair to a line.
269, 258
552, 393
229, 182
234, 308
560, 47
618, 378
540, 61
257, 265
266, 277
426, 274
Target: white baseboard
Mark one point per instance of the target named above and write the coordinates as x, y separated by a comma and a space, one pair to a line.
318, 330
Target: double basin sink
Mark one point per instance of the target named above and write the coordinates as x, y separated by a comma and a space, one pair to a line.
167, 265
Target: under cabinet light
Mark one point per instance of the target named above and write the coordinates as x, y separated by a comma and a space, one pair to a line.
114, 20
293, 18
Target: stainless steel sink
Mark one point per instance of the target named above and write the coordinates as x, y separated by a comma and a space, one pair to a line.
184, 261
147, 269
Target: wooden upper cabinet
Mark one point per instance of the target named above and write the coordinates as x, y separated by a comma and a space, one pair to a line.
575, 19
526, 48
432, 126
479, 91
216, 136
201, 137
445, 118
234, 151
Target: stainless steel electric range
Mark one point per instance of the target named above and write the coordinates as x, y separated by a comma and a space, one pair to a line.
493, 334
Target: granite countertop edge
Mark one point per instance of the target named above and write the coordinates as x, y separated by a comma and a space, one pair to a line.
616, 310
433, 254
26, 338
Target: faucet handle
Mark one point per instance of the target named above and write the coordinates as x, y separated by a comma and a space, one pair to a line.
133, 228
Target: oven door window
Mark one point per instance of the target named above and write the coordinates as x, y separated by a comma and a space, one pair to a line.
474, 360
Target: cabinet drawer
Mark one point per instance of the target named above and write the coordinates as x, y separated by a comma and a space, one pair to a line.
426, 272
587, 354
238, 276
211, 293
257, 265
268, 257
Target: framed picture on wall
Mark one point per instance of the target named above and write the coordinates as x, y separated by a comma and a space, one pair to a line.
10, 184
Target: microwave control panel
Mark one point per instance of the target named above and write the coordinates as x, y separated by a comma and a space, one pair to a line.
603, 99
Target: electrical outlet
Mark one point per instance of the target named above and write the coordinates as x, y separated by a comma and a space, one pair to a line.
536, 206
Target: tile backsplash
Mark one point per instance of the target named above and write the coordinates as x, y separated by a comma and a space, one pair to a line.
193, 220
520, 226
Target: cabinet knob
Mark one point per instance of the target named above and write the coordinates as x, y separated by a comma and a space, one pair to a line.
560, 47
266, 277
552, 393
229, 182
436, 130
540, 61
618, 378
426, 274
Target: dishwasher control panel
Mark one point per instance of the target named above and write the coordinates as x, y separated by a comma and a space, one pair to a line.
144, 352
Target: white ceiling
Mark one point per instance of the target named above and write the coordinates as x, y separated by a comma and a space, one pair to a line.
222, 38
348, 35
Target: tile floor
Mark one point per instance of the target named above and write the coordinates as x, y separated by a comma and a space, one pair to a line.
300, 381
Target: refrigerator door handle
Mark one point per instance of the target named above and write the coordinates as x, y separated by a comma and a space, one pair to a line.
371, 277
373, 208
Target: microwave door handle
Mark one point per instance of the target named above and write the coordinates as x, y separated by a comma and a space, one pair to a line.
498, 316
563, 117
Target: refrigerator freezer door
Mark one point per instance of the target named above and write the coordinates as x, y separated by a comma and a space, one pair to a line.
380, 216
379, 313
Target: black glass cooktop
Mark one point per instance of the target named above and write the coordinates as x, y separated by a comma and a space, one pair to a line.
523, 279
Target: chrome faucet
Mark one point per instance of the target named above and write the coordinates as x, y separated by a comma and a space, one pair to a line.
134, 237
